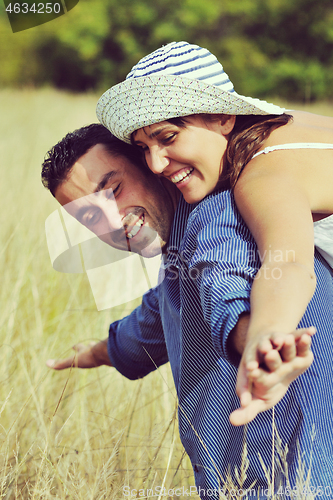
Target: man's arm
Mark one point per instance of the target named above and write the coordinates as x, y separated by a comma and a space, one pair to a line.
237, 337
91, 356
135, 347
297, 344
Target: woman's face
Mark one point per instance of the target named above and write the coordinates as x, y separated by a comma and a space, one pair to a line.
190, 156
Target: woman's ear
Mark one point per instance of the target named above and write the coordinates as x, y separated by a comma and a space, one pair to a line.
227, 123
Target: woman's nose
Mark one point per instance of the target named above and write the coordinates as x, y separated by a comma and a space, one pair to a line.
158, 161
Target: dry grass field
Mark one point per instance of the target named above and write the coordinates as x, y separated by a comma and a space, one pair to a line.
77, 434
74, 434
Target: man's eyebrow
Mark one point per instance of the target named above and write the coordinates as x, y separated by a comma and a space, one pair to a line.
105, 179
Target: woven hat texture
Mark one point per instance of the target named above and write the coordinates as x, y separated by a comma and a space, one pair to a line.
178, 79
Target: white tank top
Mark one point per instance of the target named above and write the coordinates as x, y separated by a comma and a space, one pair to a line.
296, 145
323, 229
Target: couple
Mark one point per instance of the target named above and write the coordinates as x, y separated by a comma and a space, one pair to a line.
199, 321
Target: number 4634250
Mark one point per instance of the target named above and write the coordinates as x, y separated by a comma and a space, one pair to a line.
35, 8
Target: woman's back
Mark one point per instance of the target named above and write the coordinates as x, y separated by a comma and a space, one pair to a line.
307, 127
312, 167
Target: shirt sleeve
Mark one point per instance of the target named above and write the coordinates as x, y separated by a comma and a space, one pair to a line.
222, 257
136, 344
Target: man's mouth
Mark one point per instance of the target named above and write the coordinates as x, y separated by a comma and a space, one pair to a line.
181, 176
136, 228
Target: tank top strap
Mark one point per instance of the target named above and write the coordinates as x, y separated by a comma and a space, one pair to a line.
297, 145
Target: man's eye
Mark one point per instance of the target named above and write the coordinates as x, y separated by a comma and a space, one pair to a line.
116, 189
90, 219
111, 192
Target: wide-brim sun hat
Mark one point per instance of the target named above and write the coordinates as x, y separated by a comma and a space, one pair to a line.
178, 79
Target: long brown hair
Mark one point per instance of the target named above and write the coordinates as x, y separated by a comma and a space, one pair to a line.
245, 140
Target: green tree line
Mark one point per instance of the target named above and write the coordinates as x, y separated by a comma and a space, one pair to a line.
268, 47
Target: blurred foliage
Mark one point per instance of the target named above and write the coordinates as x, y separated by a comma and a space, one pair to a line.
268, 47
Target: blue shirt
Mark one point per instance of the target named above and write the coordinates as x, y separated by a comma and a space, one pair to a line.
209, 268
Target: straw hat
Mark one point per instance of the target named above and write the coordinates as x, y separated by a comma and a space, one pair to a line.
178, 79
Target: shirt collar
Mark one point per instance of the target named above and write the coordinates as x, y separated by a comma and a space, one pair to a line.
178, 228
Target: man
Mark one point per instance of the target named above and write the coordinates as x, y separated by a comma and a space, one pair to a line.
196, 318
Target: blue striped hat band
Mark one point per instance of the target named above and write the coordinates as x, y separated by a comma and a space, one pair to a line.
182, 59
178, 79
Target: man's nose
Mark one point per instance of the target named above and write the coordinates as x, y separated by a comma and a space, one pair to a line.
112, 216
158, 161
108, 220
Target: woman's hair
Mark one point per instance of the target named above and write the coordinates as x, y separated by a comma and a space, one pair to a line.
245, 140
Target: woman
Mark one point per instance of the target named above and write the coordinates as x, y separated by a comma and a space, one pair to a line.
180, 107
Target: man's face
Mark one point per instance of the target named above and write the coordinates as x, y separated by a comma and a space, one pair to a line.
124, 206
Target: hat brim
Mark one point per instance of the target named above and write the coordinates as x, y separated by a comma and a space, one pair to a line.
142, 101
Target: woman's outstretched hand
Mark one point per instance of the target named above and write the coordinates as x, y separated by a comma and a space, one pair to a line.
267, 368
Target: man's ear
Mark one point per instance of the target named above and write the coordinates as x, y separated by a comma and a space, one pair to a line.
227, 123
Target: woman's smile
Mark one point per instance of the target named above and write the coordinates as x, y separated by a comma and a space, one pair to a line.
180, 177
189, 153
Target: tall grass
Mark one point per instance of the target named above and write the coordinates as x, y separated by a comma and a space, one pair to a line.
74, 434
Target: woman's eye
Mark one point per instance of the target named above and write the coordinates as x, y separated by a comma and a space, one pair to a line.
169, 138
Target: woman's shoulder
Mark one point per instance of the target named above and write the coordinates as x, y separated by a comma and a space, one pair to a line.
304, 128
300, 155
312, 119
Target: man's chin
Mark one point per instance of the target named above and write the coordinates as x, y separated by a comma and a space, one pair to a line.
148, 245
147, 249
151, 251
151, 246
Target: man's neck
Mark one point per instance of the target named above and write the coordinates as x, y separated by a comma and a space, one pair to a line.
172, 191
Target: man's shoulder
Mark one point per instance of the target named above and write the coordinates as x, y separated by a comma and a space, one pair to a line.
216, 205
214, 229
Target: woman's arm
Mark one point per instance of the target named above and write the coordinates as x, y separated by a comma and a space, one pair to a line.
276, 208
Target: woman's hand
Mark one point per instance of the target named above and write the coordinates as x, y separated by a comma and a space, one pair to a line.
267, 368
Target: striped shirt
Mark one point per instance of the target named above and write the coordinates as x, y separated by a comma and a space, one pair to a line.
208, 272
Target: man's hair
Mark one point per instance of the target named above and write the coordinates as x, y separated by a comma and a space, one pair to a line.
60, 160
